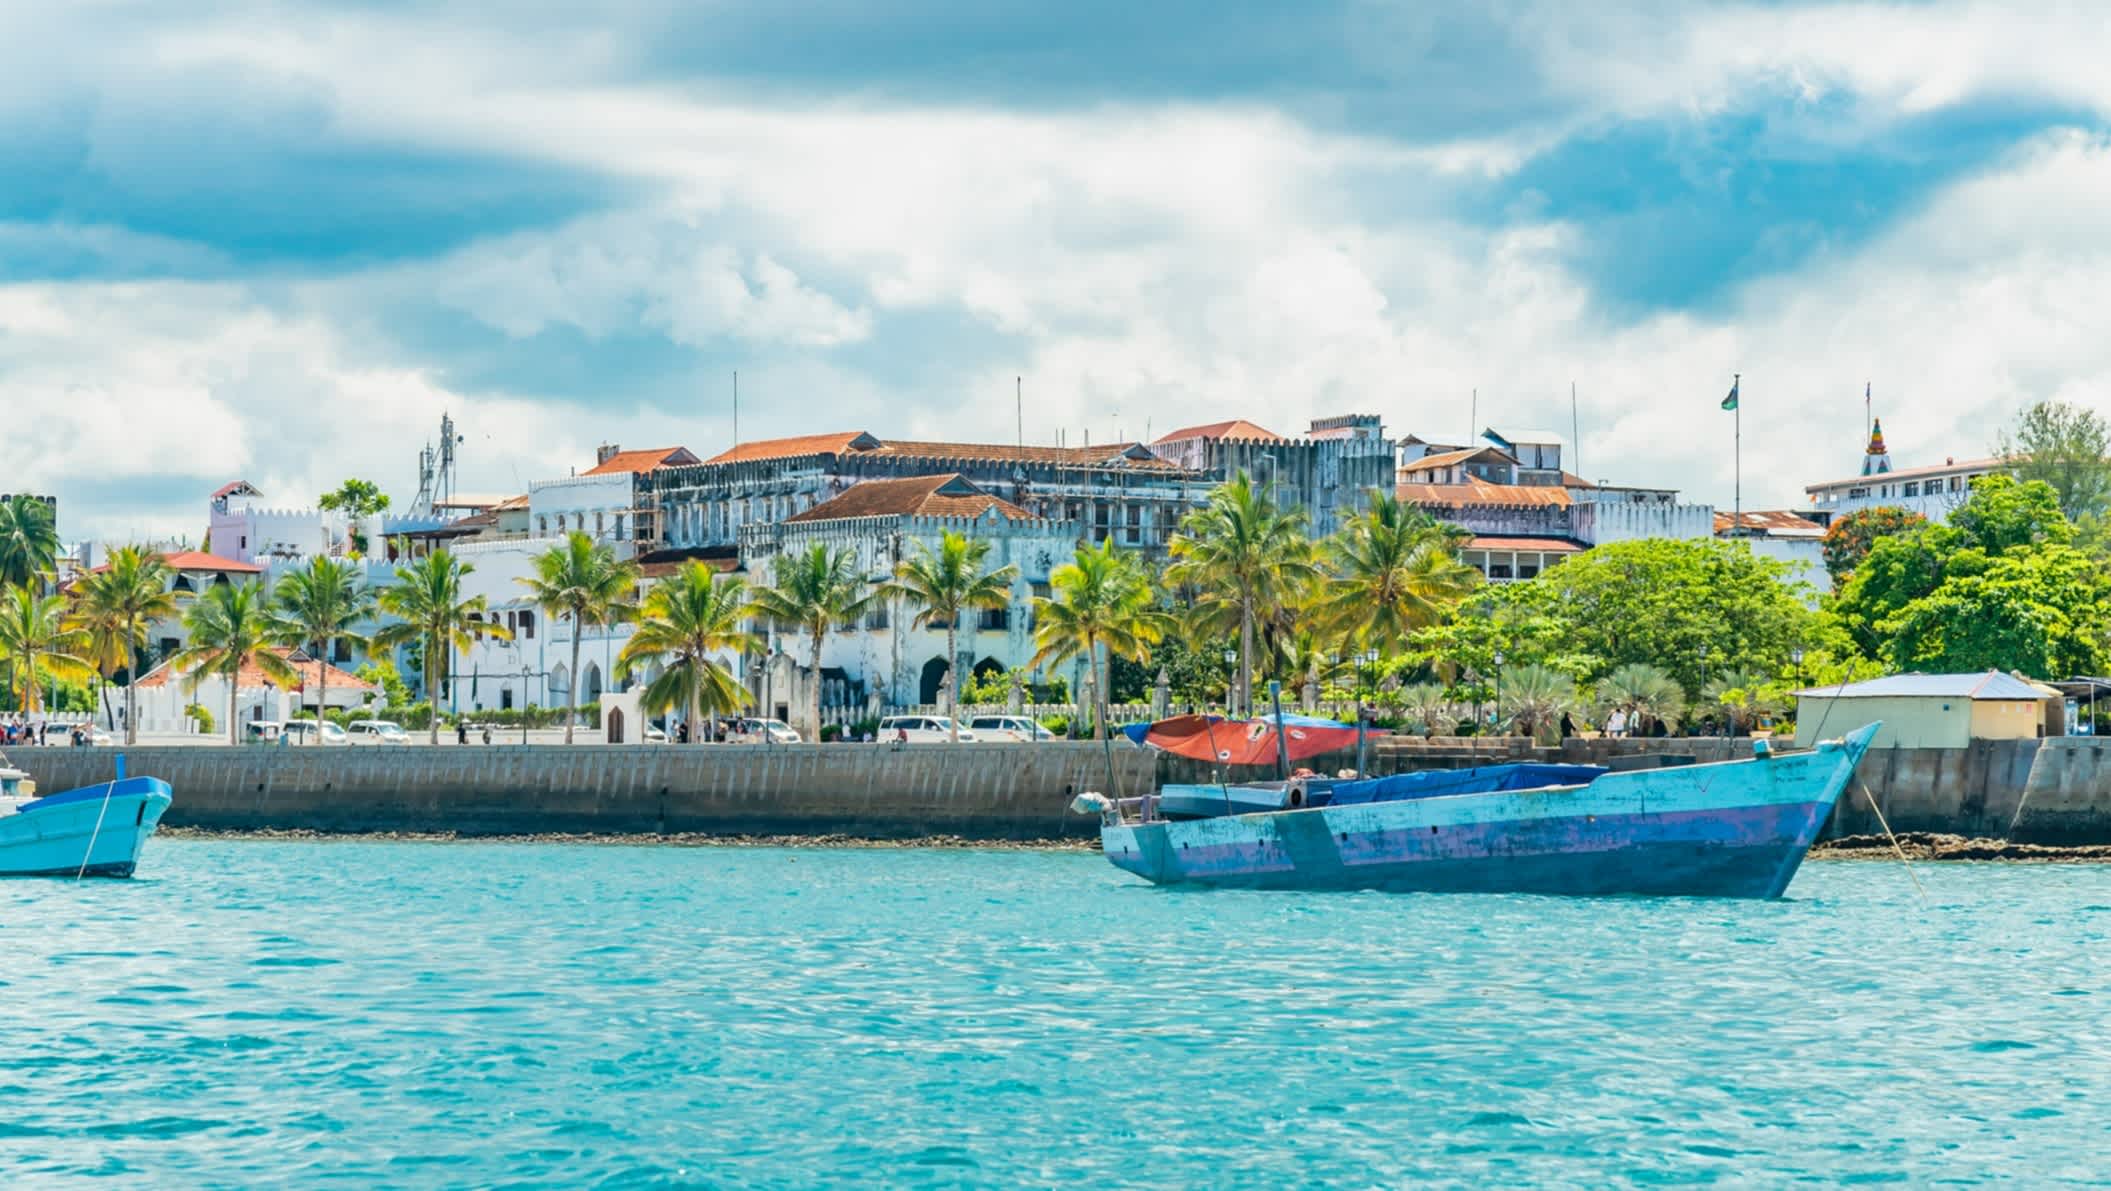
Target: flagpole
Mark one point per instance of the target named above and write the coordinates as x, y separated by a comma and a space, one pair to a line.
1737, 456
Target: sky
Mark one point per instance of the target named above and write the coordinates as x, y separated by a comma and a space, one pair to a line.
276, 241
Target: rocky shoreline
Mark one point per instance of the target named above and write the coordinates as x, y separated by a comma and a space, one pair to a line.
1923, 845
674, 839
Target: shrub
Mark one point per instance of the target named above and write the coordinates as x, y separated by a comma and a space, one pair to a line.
200, 716
831, 732
1058, 724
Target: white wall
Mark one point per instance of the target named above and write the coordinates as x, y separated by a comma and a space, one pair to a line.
1599, 523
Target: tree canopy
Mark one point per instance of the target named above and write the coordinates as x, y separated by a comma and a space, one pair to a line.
1847, 543
2068, 448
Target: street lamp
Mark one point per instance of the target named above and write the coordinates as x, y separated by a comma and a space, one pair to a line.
526, 673
1231, 682
1498, 686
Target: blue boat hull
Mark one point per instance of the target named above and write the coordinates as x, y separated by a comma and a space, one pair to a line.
1737, 829
95, 831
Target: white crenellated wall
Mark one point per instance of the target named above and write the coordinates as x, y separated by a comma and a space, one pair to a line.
1599, 523
599, 505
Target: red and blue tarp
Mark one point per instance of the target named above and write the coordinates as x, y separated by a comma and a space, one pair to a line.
1243, 742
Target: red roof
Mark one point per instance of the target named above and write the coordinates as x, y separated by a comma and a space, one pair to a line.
1771, 521
636, 462
951, 495
1476, 491
792, 448
251, 677
198, 560
1124, 454
1450, 458
1527, 545
230, 489
1236, 428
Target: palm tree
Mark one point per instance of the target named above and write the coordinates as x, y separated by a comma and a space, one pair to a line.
37, 642
1741, 694
322, 603
118, 605
1536, 697
1643, 693
1099, 600
231, 629
427, 598
583, 582
1308, 662
1430, 706
689, 617
946, 584
29, 541
1242, 555
1392, 569
813, 592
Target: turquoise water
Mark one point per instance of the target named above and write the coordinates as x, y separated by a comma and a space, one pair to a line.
458, 1015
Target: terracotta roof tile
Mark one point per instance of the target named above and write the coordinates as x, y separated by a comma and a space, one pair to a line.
1452, 458
1235, 428
863, 443
792, 448
1528, 545
1772, 521
198, 560
950, 495
1481, 492
251, 677
635, 462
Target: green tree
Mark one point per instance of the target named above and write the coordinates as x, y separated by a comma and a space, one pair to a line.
1535, 698
1645, 695
29, 542
812, 592
231, 629
1244, 557
581, 581
37, 645
1686, 606
1742, 696
2039, 609
428, 600
118, 605
321, 604
1392, 569
946, 584
2004, 513
1100, 600
1849, 540
357, 499
1430, 709
2066, 446
686, 619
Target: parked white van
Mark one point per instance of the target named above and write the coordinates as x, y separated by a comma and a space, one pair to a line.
754, 730
1010, 729
921, 729
306, 732
377, 732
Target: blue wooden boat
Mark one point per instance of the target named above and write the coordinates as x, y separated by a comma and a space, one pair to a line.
95, 831
1731, 829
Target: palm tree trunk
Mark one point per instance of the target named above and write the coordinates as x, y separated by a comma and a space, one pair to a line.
953, 677
1245, 659
131, 685
234, 690
571, 692
432, 695
817, 688
322, 690
694, 712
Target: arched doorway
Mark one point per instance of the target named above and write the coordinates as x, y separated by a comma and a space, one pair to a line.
559, 693
591, 687
614, 725
934, 678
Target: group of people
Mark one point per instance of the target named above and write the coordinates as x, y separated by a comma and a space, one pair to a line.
24, 729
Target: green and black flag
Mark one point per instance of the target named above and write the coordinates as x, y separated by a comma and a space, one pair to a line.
1730, 402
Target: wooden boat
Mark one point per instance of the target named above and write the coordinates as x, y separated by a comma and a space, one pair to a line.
95, 831
1730, 829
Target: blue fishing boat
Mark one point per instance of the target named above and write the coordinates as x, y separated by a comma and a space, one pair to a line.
1730, 829
95, 831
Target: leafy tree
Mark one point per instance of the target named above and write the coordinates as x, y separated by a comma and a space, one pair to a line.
1849, 540
29, 541
1307, 663
1743, 696
2040, 609
117, 605
1526, 623
321, 604
1535, 698
583, 582
395, 693
1682, 605
946, 584
37, 644
357, 499
1391, 569
1645, 694
1243, 556
2003, 513
2066, 446
686, 619
1098, 600
812, 593
231, 629
428, 600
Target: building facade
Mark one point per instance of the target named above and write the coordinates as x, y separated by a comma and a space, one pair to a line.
1933, 492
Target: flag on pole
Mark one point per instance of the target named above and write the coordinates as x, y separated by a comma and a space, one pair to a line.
1730, 402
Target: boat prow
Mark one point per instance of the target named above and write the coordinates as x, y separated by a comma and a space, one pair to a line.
95, 831
1728, 829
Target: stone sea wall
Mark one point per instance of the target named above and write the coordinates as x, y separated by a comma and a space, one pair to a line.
2038, 792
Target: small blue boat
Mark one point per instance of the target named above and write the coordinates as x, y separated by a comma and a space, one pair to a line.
1731, 829
95, 831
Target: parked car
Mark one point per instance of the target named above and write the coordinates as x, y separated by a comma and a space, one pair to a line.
262, 732
921, 729
654, 734
376, 732
755, 730
1010, 729
306, 732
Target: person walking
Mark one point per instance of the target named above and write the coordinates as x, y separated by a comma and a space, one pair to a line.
461, 731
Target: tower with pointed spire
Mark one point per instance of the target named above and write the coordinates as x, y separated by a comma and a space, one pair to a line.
1876, 461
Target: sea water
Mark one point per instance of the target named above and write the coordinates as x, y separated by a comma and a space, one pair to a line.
423, 1015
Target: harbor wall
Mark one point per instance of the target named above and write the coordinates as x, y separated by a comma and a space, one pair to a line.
2054, 792
878, 791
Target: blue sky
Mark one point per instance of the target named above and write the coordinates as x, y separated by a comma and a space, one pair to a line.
276, 241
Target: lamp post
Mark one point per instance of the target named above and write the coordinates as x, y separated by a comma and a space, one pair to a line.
1231, 682
526, 673
1498, 687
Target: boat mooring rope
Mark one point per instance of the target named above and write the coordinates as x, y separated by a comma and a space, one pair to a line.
93, 835
1900, 852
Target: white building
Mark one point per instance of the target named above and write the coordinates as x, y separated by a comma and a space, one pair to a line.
163, 694
244, 528
1933, 492
1785, 536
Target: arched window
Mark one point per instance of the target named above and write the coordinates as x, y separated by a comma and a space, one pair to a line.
527, 626
542, 525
